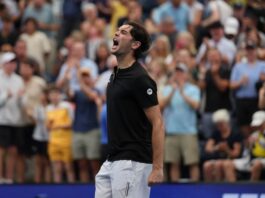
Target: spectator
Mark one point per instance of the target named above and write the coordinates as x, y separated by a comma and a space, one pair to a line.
42, 169
76, 59
195, 14
34, 38
245, 76
175, 10
20, 50
8, 35
102, 55
11, 88
220, 148
30, 99
215, 84
42, 13
226, 47
254, 159
118, 10
180, 102
90, 12
135, 13
59, 124
231, 29
86, 137
104, 134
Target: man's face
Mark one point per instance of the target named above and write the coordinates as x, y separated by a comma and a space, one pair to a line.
122, 41
10, 67
78, 50
21, 48
176, 2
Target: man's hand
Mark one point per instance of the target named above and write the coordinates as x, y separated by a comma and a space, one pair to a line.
156, 176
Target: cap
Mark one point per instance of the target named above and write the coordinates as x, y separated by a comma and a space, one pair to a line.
182, 67
85, 71
250, 44
221, 115
238, 4
215, 24
258, 118
7, 57
231, 26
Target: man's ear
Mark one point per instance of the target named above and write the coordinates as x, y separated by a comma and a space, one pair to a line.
136, 44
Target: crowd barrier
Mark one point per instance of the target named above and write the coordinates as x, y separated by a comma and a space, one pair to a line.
181, 190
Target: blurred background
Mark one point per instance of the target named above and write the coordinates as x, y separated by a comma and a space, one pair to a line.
207, 58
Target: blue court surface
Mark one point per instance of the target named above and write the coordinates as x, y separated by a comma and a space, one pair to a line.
183, 190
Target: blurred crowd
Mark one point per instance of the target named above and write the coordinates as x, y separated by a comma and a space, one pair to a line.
207, 58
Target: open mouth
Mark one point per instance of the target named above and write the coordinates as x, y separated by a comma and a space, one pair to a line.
115, 42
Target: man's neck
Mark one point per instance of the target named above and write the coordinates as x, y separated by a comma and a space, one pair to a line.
125, 61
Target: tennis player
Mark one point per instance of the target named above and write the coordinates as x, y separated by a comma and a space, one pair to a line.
135, 126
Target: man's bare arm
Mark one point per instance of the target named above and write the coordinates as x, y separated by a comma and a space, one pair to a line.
158, 135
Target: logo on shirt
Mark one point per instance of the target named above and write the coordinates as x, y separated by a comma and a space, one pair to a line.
149, 91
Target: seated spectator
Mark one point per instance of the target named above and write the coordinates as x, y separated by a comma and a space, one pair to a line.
254, 159
215, 84
59, 115
180, 101
244, 79
86, 136
223, 146
226, 47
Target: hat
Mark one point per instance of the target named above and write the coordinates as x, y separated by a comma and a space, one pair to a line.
250, 44
85, 71
221, 115
182, 67
215, 24
7, 57
258, 118
231, 26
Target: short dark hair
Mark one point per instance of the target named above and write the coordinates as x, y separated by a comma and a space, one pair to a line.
31, 20
140, 34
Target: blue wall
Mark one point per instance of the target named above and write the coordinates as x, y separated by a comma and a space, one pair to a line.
159, 191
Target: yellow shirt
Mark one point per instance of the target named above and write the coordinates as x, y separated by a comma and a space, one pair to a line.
118, 11
60, 115
259, 146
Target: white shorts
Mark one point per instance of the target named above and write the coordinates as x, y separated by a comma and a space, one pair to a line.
245, 164
122, 179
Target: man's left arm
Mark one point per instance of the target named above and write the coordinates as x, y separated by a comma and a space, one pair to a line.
154, 116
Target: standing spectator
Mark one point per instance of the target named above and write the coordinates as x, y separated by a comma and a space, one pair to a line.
86, 137
180, 102
59, 124
226, 47
68, 72
20, 50
195, 14
11, 88
254, 159
72, 16
42, 169
34, 38
244, 78
104, 148
30, 99
41, 11
175, 10
220, 148
215, 84
8, 35
102, 55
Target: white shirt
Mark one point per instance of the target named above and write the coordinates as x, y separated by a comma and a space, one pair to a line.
225, 46
10, 107
37, 45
